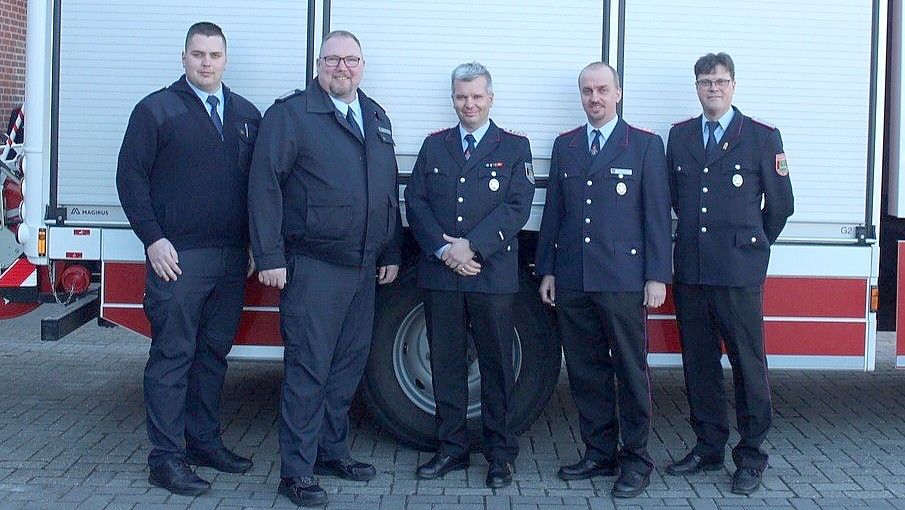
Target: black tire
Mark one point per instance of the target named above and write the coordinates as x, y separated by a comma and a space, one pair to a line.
399, 310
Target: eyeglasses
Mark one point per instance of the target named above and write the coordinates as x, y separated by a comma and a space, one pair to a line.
720, 84
333, 61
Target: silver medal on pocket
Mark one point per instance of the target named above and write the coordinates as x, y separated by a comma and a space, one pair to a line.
737, 180
494, 185
621, 188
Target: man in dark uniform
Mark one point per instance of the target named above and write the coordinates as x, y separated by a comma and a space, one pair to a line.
470, 194
182, 180
324, 209
732, 195
604, 255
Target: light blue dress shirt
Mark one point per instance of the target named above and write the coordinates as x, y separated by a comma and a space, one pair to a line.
202, 95
355, 105
724, 124
477, 134
605, 131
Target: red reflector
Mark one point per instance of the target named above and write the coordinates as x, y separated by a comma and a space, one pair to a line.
82, 232
73, 254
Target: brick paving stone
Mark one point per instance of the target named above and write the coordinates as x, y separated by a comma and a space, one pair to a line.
72, 434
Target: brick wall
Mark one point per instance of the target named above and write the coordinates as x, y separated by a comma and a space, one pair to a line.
12, 57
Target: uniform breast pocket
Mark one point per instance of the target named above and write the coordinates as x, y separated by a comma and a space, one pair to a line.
623, 190
248, 133
493, 184
438, 180
328, 219
573, 188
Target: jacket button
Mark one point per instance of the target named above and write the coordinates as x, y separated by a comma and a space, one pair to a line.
587, 239
509, 248
436, 170
703, 209
590, 183
588, 201
704, 229
705, 190
587, 220
753, 239
461, 179
459, 219
706, 170
634, 251
461, 200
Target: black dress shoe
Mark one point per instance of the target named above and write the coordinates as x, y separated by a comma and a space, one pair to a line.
220, 459
440, 464
177, 477
694, 463
630, 484
347, 469
499, 474
586, 468
746, 481
303, 491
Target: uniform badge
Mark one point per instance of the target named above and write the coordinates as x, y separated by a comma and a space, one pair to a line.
737, 180
529, 172
494, 185
782, 165
621, 188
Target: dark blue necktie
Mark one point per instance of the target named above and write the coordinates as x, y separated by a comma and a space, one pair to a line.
350, 118
595, 143
470, 148
215, 116
710, 148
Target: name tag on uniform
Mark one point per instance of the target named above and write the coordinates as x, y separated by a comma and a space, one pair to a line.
384, 130
620, 171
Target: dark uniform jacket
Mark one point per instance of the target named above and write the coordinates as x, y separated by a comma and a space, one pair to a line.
317, 189
486, 200
723, 235
606, 224
177, 179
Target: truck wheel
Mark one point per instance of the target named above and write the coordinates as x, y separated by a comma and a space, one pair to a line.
397, 385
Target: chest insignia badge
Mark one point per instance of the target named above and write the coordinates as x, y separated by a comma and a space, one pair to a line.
494, 185
737, 180
621, 188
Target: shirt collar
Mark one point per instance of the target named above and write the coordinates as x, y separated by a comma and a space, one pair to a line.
343, 106
605, 130
202, 95
477, 133
724, 120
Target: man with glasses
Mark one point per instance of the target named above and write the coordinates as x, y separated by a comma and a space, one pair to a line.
324, 214
182, 180
732, 195
470, 195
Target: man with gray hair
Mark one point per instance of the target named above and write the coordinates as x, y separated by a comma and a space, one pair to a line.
469, 196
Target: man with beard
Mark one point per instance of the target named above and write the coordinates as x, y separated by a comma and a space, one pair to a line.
603, 253
324, 210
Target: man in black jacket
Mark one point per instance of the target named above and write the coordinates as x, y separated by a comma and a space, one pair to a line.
182, 179
324, 209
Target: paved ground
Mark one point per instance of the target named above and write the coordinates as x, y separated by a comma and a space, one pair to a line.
72, 436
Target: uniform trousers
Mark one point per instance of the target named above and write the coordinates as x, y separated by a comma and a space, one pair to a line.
193, 324
326, 320
605, 343
707, 313
447, 314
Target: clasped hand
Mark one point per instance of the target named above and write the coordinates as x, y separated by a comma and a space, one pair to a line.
459, 256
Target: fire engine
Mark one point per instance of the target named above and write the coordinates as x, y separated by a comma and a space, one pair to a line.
827, 74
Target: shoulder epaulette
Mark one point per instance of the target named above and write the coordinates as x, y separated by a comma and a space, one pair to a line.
516, 133
437, 132
683, 121
287, 95
644, 129
763, 123
574, 129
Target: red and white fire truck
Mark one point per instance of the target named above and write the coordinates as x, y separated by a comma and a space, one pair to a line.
826, 73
